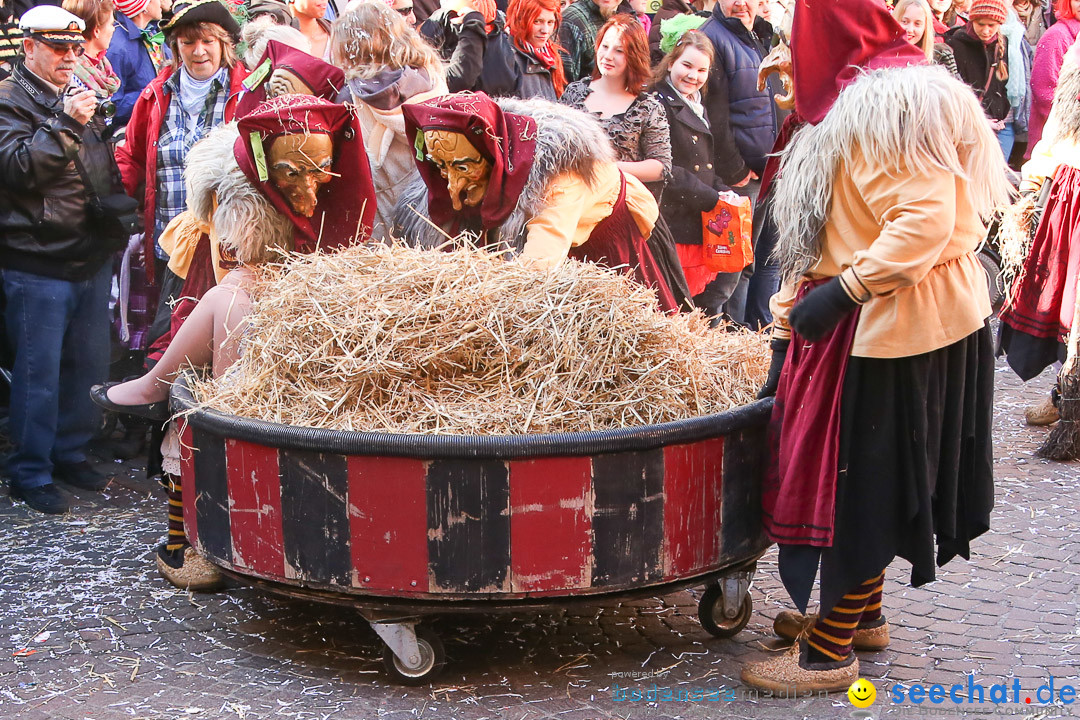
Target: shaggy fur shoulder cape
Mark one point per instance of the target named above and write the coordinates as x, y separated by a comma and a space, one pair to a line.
247, 224
909, 120
568, 140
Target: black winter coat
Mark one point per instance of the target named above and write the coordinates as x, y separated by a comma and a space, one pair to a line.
462, 46
744, 120
509, 71
694, 186
975, 62
42, 196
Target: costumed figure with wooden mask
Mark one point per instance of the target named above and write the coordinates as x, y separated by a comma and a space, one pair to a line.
880, 437
285, 70
528, 175
1041, 250
288, 176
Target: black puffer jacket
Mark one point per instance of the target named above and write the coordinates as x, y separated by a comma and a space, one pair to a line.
975, 61
509, 71
42, 196
744, 120
694, 186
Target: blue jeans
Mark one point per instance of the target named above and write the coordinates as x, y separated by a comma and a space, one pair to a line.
59, 331
1006, 137
766, 279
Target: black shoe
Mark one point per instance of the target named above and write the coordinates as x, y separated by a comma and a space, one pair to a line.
43, 498
80, 475
157, 411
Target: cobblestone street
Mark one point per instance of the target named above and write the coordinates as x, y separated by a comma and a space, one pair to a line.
89, 629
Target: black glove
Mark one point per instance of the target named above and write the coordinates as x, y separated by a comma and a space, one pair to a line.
821, 310
779, 354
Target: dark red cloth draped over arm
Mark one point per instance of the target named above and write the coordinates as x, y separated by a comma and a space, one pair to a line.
798, 498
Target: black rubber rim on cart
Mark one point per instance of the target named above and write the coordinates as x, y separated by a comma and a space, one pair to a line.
344, 442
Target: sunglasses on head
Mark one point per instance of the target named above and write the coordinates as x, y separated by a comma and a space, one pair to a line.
61, 48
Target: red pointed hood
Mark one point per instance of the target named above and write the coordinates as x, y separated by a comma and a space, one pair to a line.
832, 40
346, 209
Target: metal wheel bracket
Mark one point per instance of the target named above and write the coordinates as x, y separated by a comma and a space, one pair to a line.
734, 586
400, 637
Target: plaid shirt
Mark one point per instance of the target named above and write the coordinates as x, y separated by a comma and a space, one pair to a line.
177, 137
580, 23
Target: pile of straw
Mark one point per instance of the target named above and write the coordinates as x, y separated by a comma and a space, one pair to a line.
399, 340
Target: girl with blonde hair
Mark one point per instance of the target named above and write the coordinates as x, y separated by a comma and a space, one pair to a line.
917, 19
371, 36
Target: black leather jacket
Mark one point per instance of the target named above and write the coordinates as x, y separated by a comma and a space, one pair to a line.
42, 196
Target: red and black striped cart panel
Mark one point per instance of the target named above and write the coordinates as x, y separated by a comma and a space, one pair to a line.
465, 527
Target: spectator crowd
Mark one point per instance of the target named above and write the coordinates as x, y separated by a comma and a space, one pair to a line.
103, 100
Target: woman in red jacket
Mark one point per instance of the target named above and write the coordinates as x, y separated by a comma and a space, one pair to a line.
190, 97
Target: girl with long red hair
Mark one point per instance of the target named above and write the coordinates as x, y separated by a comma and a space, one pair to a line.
634, 119
526, 60
635, 122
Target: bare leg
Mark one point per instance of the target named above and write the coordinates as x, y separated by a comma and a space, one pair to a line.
193, 345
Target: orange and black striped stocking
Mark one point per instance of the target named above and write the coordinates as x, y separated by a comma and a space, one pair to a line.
177, 539
830, 638
872, 613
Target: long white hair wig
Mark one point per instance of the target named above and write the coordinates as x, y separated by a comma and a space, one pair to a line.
915, 118
249, 227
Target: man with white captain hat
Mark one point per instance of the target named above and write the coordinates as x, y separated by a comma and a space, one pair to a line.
55, 270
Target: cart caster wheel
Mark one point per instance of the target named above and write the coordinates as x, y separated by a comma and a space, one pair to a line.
432, 660
711, 613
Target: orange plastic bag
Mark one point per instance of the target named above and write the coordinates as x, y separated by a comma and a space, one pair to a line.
727, 234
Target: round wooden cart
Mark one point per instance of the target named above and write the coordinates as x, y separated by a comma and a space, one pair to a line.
406, 526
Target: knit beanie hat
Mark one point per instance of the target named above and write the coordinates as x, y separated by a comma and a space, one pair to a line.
131, 8
486, 8
993, 10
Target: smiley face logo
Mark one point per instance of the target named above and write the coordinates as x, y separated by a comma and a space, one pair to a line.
862, 693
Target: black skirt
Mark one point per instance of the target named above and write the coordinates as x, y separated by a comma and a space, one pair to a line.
915, 462
662, 245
